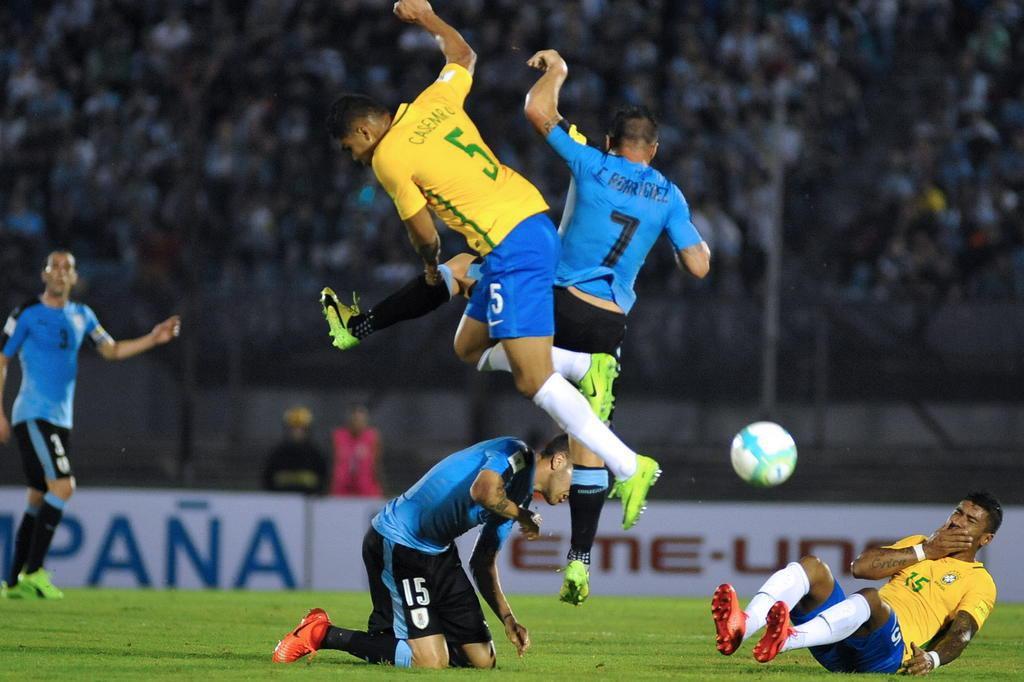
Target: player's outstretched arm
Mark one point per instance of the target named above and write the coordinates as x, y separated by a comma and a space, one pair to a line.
947, 648
881, 562
542, 100
161, 334
455, 48
484, 566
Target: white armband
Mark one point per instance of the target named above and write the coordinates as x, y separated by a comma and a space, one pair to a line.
919, 552
934, 655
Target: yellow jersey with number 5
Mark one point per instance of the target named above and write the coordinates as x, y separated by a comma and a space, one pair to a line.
433, 155
928, 594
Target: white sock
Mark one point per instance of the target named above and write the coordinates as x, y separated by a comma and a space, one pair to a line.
787, 585
569, 364
834, 624
570, 410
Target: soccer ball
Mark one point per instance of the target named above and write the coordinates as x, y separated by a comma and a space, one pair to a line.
763, 454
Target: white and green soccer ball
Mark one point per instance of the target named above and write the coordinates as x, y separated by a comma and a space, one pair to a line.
763, 454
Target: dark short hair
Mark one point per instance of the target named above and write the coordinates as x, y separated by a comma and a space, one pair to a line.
346, 109
990, 504
634, 124
559, 443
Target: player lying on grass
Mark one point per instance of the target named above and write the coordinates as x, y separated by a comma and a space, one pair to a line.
431, 159
425, 612
937, 598
46, 333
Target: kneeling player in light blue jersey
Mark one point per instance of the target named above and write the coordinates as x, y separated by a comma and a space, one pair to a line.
46, 333
425, 611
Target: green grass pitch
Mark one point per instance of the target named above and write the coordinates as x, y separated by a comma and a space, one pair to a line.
144, 635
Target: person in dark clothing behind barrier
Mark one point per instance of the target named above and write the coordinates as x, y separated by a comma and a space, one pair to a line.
296, 464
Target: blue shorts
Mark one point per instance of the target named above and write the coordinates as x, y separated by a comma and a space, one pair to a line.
879, 652
514, 294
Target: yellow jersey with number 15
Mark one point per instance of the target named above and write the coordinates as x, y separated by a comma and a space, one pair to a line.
433, 155
928, 594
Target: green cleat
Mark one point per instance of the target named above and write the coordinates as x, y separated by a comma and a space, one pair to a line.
576, 584
19, 590
338, 314
40, 581
633, 490
598, 383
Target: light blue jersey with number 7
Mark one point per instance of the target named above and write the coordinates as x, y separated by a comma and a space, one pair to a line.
613, 217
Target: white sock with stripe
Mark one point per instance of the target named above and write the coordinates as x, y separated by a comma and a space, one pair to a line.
834, 624
570, 364
570, 410
788, 585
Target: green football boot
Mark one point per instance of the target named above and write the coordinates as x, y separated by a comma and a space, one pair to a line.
575, 583
338, 314
19, 590
40, 581
633, 490
597, 385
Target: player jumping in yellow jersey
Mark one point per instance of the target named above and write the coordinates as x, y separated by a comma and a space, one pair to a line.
429, 156
937, 598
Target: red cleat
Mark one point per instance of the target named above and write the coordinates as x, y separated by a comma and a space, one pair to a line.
730, 621
305, 639
777, 630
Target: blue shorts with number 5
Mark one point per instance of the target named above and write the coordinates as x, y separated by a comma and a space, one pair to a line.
514, 294
880, 651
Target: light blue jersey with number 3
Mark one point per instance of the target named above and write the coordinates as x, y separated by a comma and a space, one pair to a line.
614, 215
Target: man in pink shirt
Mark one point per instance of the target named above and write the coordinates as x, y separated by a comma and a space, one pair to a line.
356, 449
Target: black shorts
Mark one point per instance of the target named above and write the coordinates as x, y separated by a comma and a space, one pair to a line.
417, 595
585, 328
44, 452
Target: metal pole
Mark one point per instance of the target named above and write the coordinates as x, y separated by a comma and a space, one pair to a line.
773, 274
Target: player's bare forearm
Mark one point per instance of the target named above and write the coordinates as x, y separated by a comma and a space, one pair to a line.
488, 490
881, 562
878, 562
454, 47
948, 646
960, 633
541, 105
430, 252
161, 334
122, 350
695, 259
484, 565
424, 237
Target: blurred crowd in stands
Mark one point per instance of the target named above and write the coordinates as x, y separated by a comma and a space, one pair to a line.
170, 142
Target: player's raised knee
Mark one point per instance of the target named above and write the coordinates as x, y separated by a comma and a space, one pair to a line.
817, 570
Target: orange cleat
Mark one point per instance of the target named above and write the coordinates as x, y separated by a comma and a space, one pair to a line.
305, 639
777, 630
730, 621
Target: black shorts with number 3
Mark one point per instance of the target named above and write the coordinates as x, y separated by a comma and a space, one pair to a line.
417, 594
44, 451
